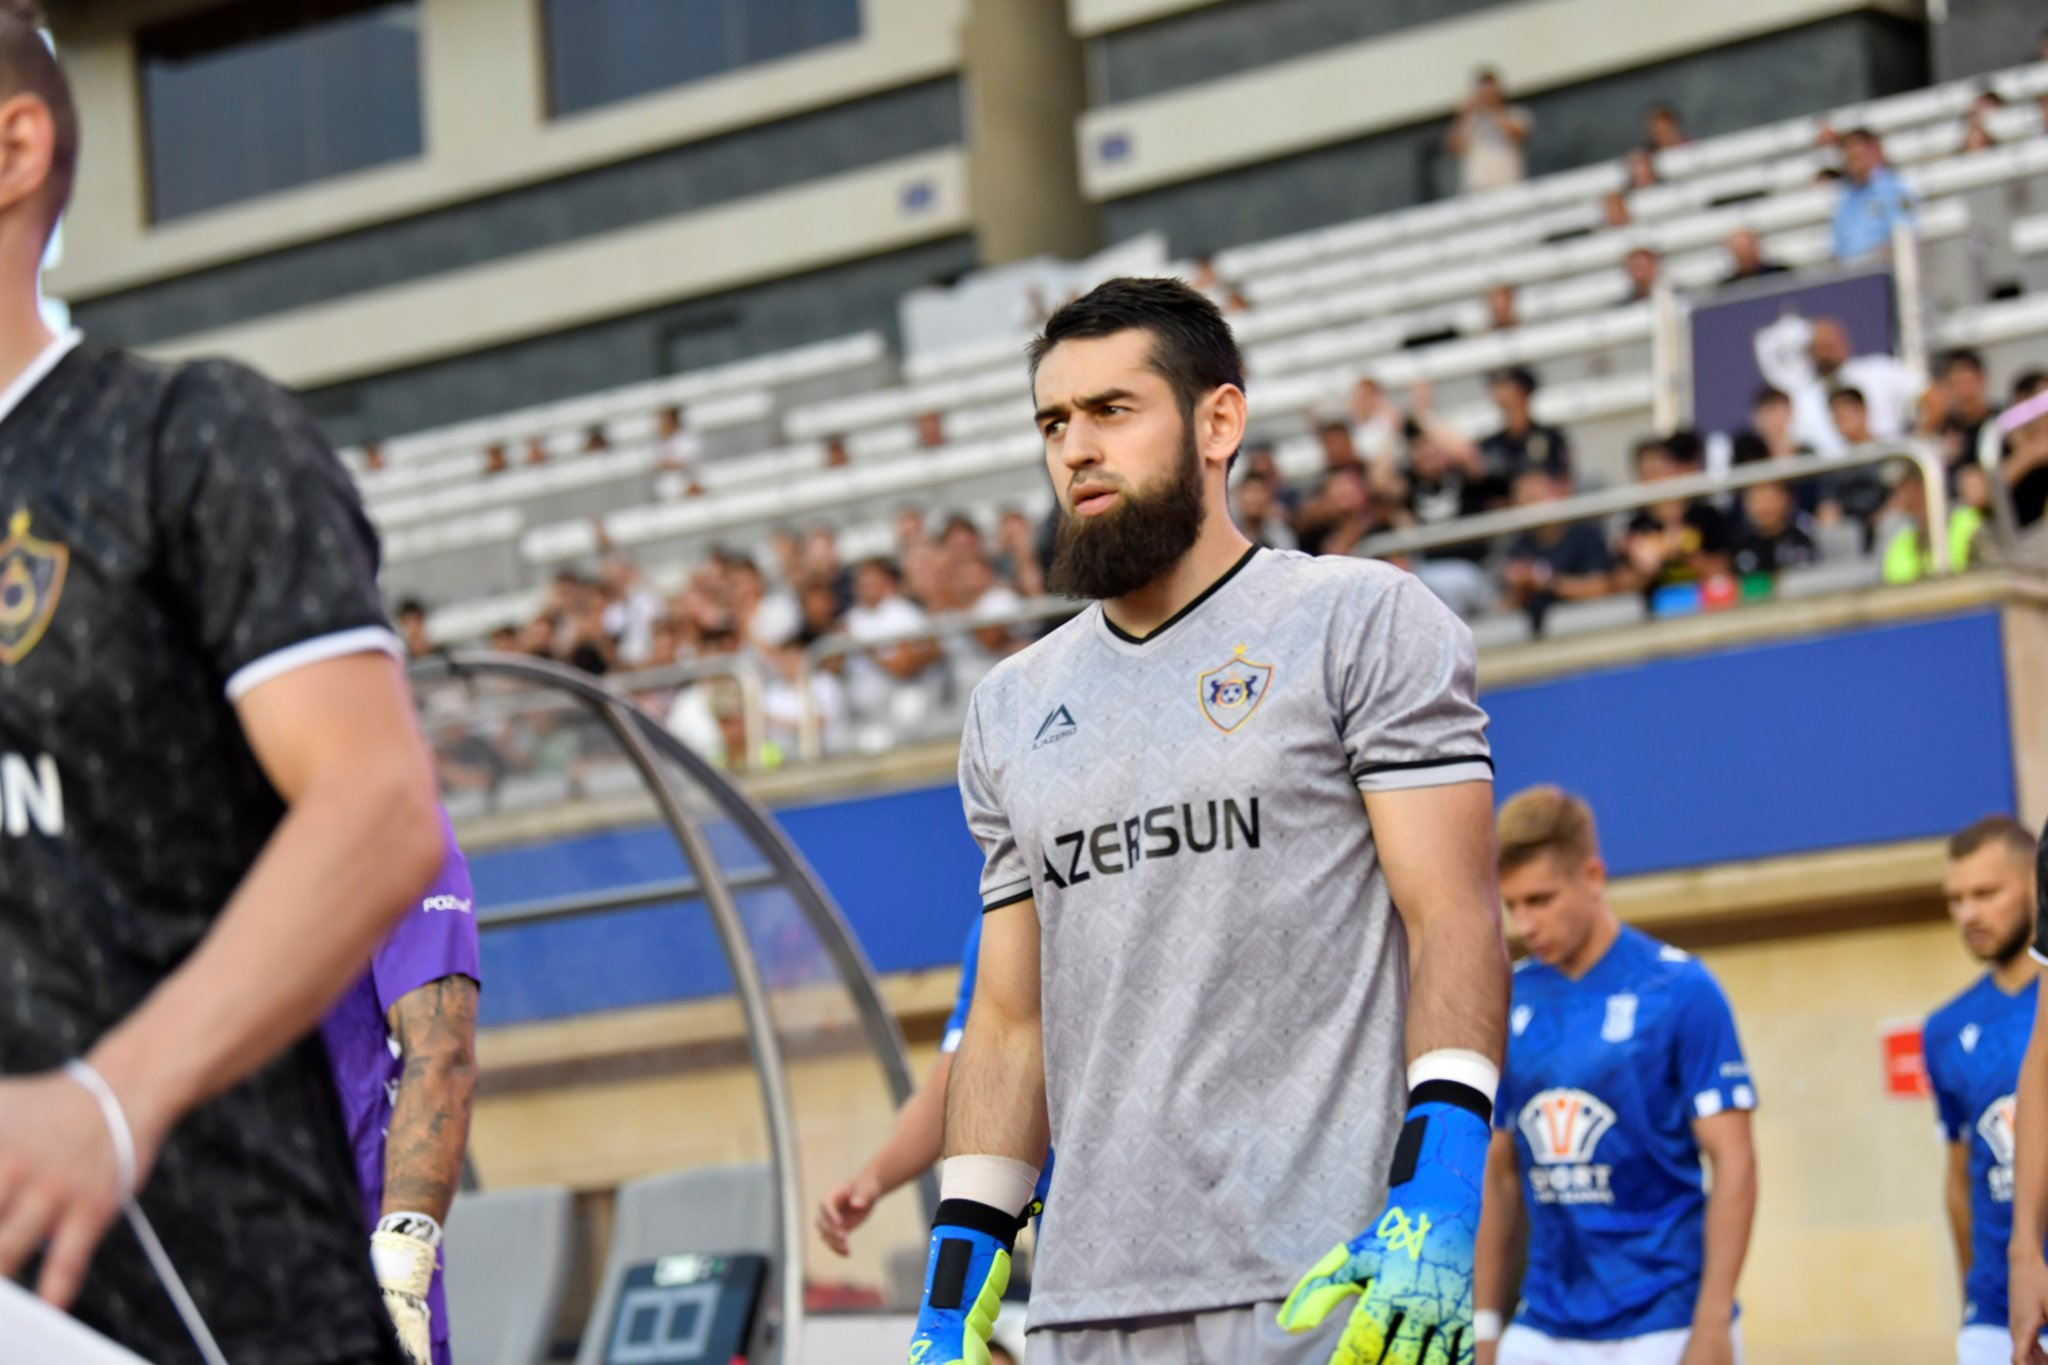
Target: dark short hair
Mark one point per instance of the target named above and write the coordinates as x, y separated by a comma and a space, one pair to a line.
1860, 135
412, 606
1847, 395
27, 67
2028, 383
1686, 447
1661, 110
1748, 448
1965, 357
1644, 445
885, 564
1517, 375
2002, 829
1768, 394
1193, 349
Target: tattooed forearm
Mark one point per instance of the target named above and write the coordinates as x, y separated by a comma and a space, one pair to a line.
436, 1031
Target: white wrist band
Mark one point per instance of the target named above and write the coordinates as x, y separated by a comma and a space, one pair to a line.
1456, 1064
1486, 1325
997, 1181
81, 1071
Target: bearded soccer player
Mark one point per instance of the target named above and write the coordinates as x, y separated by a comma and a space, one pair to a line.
1241, 955
1625, 1082
1973, 1046
216, 804
402, 1040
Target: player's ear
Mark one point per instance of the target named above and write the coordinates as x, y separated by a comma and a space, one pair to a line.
28, 138
1594, 872
1219, 422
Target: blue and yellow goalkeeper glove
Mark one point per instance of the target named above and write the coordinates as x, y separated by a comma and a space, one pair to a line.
1412, 1268
964, 1282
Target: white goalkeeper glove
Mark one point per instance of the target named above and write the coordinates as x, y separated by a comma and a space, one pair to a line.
402, 1253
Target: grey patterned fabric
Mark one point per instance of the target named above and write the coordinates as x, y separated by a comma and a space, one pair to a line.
1230, 1336
1223, 976
161, 531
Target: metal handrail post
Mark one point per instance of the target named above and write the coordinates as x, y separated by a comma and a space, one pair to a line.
1909, 279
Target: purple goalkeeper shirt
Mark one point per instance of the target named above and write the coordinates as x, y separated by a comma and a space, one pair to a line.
436, 938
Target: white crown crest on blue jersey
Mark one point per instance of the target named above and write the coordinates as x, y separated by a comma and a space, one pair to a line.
1563, 1128
1519, 1020
1968, 1037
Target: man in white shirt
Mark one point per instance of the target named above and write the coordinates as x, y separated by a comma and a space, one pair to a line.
892, 683
1487, 135
1809, 360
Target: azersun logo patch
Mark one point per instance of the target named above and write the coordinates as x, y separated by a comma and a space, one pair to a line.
31, 580
1233, 690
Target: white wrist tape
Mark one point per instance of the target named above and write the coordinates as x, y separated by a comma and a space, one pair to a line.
1486, 1325
1456, 1064
997, 1181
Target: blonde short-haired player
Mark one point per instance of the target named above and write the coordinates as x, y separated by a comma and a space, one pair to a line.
1624, 1084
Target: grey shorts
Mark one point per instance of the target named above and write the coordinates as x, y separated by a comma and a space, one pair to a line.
1227, 1336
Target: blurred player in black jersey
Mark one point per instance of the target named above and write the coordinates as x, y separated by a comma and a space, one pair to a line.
214, 803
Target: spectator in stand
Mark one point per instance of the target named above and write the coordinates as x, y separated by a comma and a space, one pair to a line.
1501, 312
412, 628
1340, 515
821, 560
1810, 360
536, 451
890, 683
1859, 493
495, 461
1641, 165
1565, 563
1614, 210
1641, 266
373, 457
1976, 130
595, 442
1770, 417
631, 607
931, 430
1017, 561
1662, 130
1872, 200
1957, 405
1258, 459
1747, 259
1339, 452
818, 604
975, 591
1908, 551
1441, 478
1487, 136
1259, 516
1375, 422
924, 575
1773, 534
1522, 443
676, 447
1850, 412
2025, 467
1676, 542
782, 702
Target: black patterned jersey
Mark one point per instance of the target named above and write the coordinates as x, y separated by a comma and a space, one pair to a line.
170, 539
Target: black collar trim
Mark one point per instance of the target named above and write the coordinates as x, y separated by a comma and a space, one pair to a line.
1170, 622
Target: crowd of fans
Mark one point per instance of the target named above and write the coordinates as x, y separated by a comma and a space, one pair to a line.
737, 625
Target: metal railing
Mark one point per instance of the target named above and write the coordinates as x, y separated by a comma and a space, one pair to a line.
1636, 496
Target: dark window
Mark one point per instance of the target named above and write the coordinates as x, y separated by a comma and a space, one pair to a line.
245, 99
602, 51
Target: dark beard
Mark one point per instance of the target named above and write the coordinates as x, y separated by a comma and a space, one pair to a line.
2007, 951
1122, 551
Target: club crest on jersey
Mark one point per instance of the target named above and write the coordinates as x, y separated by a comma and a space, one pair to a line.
31, 580
1620, 1024
1563, 1128
1232, 691
1995, 1126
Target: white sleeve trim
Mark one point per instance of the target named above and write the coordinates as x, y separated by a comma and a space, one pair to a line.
1401, 779
319, 649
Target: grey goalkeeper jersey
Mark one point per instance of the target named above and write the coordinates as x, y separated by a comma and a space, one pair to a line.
1224, 978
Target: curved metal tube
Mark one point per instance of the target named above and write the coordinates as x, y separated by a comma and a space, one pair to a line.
732, 936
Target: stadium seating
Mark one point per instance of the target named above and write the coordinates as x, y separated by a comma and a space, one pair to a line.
1328, 305
508, 1255
713, 1210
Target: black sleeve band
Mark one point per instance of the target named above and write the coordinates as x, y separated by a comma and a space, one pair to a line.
974, 1216
1453, 1093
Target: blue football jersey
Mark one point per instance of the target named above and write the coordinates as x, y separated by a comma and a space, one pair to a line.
956, 1026
1973, 1046
1604, 1080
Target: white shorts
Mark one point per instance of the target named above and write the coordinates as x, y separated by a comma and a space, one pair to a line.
1521, 1345
1982, 1344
